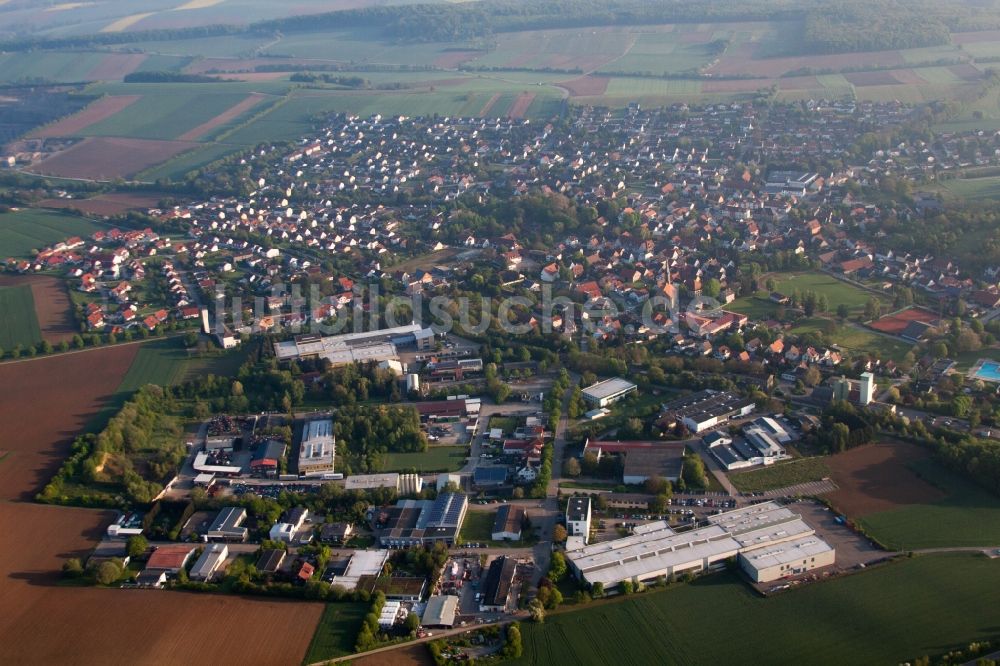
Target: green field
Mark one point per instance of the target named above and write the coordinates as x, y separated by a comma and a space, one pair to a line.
161, 362
972, 189
18, 322
758, 307
336, 632
434, 459
25, 230
885, 615
168, 111
967, 516
780, 475
478, 528
836, 291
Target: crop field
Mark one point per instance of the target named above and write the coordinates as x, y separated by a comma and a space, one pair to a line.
18, 324
113, 203
108, 158
161, 362
585, 49
52, 313
45, 403
780, 475
25, 230
336, 631
168, 114
821, 621
237, 110
434, 459
906, 500
96, 112
41, 622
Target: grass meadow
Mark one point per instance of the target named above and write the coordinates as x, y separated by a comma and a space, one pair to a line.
828, 622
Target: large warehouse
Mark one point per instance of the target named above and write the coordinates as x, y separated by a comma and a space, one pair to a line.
380, 345
771, 541
706, 409
607, 392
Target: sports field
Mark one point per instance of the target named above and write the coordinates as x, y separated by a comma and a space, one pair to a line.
434, 459
836, 291
829, 622
18, 323
25, 230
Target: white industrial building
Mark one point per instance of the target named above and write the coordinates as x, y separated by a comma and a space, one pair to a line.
440, 611
655, 550
361, 563
609, 391
376, 346
211, 559
371, 481
707, 409
318, 448
769, 563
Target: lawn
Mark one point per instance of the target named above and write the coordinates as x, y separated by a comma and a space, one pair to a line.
967, 516
973, 189
337, 631
434, 459
780, 475
758, 308
22, 231
162, 362
836, 291
478, 528
885, 615
18, 323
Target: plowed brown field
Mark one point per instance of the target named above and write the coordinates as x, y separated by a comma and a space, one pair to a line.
877, 478
44, 404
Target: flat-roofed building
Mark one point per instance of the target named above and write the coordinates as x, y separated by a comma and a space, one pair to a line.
372, 481
608, 391
209, 562
655, 550
440, 611
706, 409
228, 525
318, 448
788, 558
356, 565
578, 517
375, 346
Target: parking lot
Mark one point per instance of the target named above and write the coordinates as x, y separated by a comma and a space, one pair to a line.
854, 551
